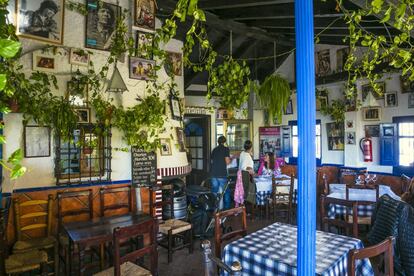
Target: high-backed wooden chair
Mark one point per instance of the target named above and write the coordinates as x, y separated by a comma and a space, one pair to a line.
171, 229
219, 236
363, 220
405, 183
281, 198
116, 199
77, 206
384, 247
35, 215
124, 265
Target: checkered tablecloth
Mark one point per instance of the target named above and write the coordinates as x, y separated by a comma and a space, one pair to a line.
273, 251
264, 189
262, 196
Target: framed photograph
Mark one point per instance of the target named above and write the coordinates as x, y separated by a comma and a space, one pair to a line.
350, 138
44, 62
323, 63
77, 93
180, 138
101, 24
141, 69
411, 100
366, 88
175, 107
83, 115
407, 86
321, 101
371, 114
165, 146
390, 99
289, 108
341, 57
41, 20
174, 64
335, 133
79, 57
36, 141
143, 45
144, 14
388, 131
372, 130
350, 104
349, 124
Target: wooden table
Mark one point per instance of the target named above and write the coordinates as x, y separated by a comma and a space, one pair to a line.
98, 231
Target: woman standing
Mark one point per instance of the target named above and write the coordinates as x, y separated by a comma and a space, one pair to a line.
245, 189
246, 161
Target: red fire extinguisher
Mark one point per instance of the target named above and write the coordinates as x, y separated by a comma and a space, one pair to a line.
366, 146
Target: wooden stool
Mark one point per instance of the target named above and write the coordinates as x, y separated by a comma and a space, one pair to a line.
23, 262
127, 269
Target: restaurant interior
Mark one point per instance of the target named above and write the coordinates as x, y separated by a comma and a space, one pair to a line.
190, 137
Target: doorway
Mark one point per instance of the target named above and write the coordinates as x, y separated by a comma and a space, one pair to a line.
198, 131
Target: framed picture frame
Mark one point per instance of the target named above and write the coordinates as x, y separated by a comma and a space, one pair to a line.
366, 88
388, 131
321, 101
350, 104
350, 138
341, 57
335, 134
49, 28
36, 141
174, 64
83, 115
79, 57
323, 63
77, 93
289, 108
144, 14
100, 24
44, 62
175, 107
407, 86
371, 113
180, 138
349, 124
372, 130
141, 69
143, 45
411, 100
391, 99
165, 149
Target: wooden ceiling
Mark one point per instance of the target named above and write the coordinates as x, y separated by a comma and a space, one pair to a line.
258, 24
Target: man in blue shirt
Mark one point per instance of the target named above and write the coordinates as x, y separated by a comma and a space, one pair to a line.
220, 158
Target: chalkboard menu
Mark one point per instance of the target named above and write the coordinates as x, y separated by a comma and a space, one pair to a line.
144, 168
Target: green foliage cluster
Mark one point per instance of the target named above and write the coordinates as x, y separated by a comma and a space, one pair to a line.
274, 95
395, 51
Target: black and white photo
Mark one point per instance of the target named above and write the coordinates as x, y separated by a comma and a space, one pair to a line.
323, 63
390, 99
36, 141
289, 108
372, 130
101, 24
41, 20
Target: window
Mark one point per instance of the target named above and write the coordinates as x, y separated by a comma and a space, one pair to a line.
86, 159
404, 140
295, 142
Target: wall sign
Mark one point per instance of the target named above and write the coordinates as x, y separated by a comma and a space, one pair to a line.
270, 140
144, 168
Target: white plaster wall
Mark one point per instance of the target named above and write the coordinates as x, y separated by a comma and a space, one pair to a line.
41, 170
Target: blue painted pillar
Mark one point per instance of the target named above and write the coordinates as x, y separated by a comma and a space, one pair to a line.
305, 85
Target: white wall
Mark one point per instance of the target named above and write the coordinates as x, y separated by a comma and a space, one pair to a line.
41, 170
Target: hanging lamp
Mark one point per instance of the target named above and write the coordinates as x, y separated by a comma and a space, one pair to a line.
370, 101
116, 83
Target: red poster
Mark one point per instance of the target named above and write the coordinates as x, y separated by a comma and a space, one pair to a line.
269, 140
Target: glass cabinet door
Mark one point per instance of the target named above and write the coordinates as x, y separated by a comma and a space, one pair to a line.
237, 132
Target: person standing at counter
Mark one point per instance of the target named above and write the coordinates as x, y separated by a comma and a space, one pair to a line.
245, 189
220, 158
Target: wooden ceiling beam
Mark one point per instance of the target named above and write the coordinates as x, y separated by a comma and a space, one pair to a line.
277, 17
228, 4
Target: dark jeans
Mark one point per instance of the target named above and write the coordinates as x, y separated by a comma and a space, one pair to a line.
217, 186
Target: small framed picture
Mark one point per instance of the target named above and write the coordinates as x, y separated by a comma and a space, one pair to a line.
289, 108
180, 138
165, 146
390, 99
175, 107
79, 57
323, 63
350, 138
341, 57
36, 141
321, 101
41, 20
44, 62
141, 69
83, 115
388, 131
77, 93
350, 104
411, 100
143, 45
174, 64
349, 124
366, 88
407, 86
144, 14
372, 114
372, 130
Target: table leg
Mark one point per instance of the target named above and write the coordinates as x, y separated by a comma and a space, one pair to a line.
81, 253
102, 256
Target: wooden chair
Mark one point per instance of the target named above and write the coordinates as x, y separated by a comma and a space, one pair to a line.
172, 229
384, 247
111, 199
125, 265
363, 220
78, 206
212, 263
219, 236
405, 183
29, 221
281, 198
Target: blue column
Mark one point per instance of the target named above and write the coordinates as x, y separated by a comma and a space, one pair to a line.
305, 84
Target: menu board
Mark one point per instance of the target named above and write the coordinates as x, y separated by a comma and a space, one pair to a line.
144, 168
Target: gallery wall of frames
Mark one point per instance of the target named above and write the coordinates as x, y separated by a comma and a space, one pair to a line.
79, 39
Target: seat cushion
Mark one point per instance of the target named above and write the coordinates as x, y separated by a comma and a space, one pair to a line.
36, 243
127, 269
361, 220
177, 226
22, 262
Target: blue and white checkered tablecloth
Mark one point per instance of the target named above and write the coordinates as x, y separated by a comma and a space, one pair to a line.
273, 251
262, 196
264, 188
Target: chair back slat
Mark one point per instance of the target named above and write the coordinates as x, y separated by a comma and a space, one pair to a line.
34, 226
405, 183
33, 215
362, 187
167, 198
114, 193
